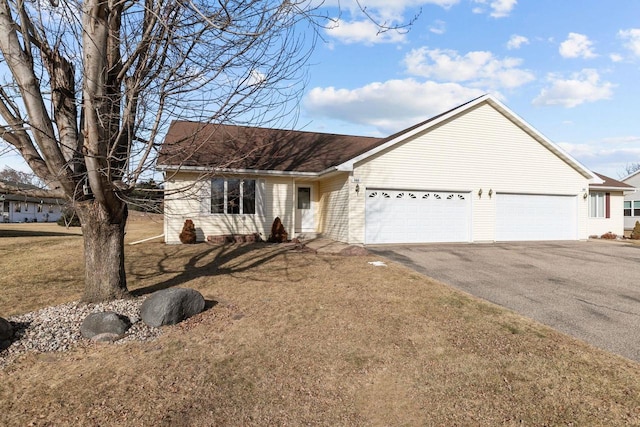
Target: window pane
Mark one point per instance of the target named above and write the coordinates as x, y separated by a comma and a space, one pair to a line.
636, 208
249, 196
304, 198
627, 208
217, 195
596, 205
233, 196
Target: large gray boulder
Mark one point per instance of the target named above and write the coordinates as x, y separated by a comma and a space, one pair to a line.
6, 333
6, 330
102, 323
171, 306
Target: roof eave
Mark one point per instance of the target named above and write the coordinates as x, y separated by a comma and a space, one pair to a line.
214, 171
611, 188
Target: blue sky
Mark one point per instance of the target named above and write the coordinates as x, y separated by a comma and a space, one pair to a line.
569, 68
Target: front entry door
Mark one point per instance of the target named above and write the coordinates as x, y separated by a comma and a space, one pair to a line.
304, 211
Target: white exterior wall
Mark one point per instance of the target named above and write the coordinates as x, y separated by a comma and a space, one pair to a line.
480, 149
188, 198
29, 212
630, 221
333, 209
614, 224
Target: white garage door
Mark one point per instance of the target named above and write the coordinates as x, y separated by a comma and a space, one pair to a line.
536, 217
394, 216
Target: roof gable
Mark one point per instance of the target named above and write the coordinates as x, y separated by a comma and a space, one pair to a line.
631, 176
457, 111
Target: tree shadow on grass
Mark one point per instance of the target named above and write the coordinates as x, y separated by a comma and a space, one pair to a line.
35, 233
199, 265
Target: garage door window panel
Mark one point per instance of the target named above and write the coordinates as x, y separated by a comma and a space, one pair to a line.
416, 217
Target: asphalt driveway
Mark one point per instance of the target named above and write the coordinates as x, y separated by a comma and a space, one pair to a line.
590, 290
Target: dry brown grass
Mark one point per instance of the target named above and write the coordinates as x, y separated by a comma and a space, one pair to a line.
298, 338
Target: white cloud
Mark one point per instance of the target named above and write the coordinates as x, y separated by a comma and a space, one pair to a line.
632, 39
389, 106
629, 139
577, 46
363, 32
499, 8
581, 87
615, 57
438, 27
478, 68
516, 42
603, 157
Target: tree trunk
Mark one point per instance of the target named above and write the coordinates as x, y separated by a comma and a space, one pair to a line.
103, 235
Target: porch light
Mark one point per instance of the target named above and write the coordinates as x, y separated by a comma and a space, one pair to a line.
357, 188
585, 195
490, 192
480, 192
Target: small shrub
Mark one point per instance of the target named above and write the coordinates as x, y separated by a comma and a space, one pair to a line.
609, 235
635, 234
69, 219
188, 234
278, 233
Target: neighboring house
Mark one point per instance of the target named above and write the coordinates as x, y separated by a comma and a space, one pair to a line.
606, 211
476, 173
632, 201
27, 203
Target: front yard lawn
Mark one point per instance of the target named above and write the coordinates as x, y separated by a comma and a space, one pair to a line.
298, 338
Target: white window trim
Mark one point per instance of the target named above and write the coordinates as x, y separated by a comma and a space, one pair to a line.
599, 198
241, 196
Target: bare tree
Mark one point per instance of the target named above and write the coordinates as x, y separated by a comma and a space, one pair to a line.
630, 168
20, 177
91, 86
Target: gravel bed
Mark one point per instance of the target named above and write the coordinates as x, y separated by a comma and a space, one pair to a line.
57, 328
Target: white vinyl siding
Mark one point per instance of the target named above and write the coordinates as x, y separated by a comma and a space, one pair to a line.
188, 197
630, 221
613, 224
333, 210
479, 149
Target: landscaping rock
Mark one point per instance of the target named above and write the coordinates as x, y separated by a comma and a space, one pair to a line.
171, 306
104, 322
106, 337
6, 330
5, 344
